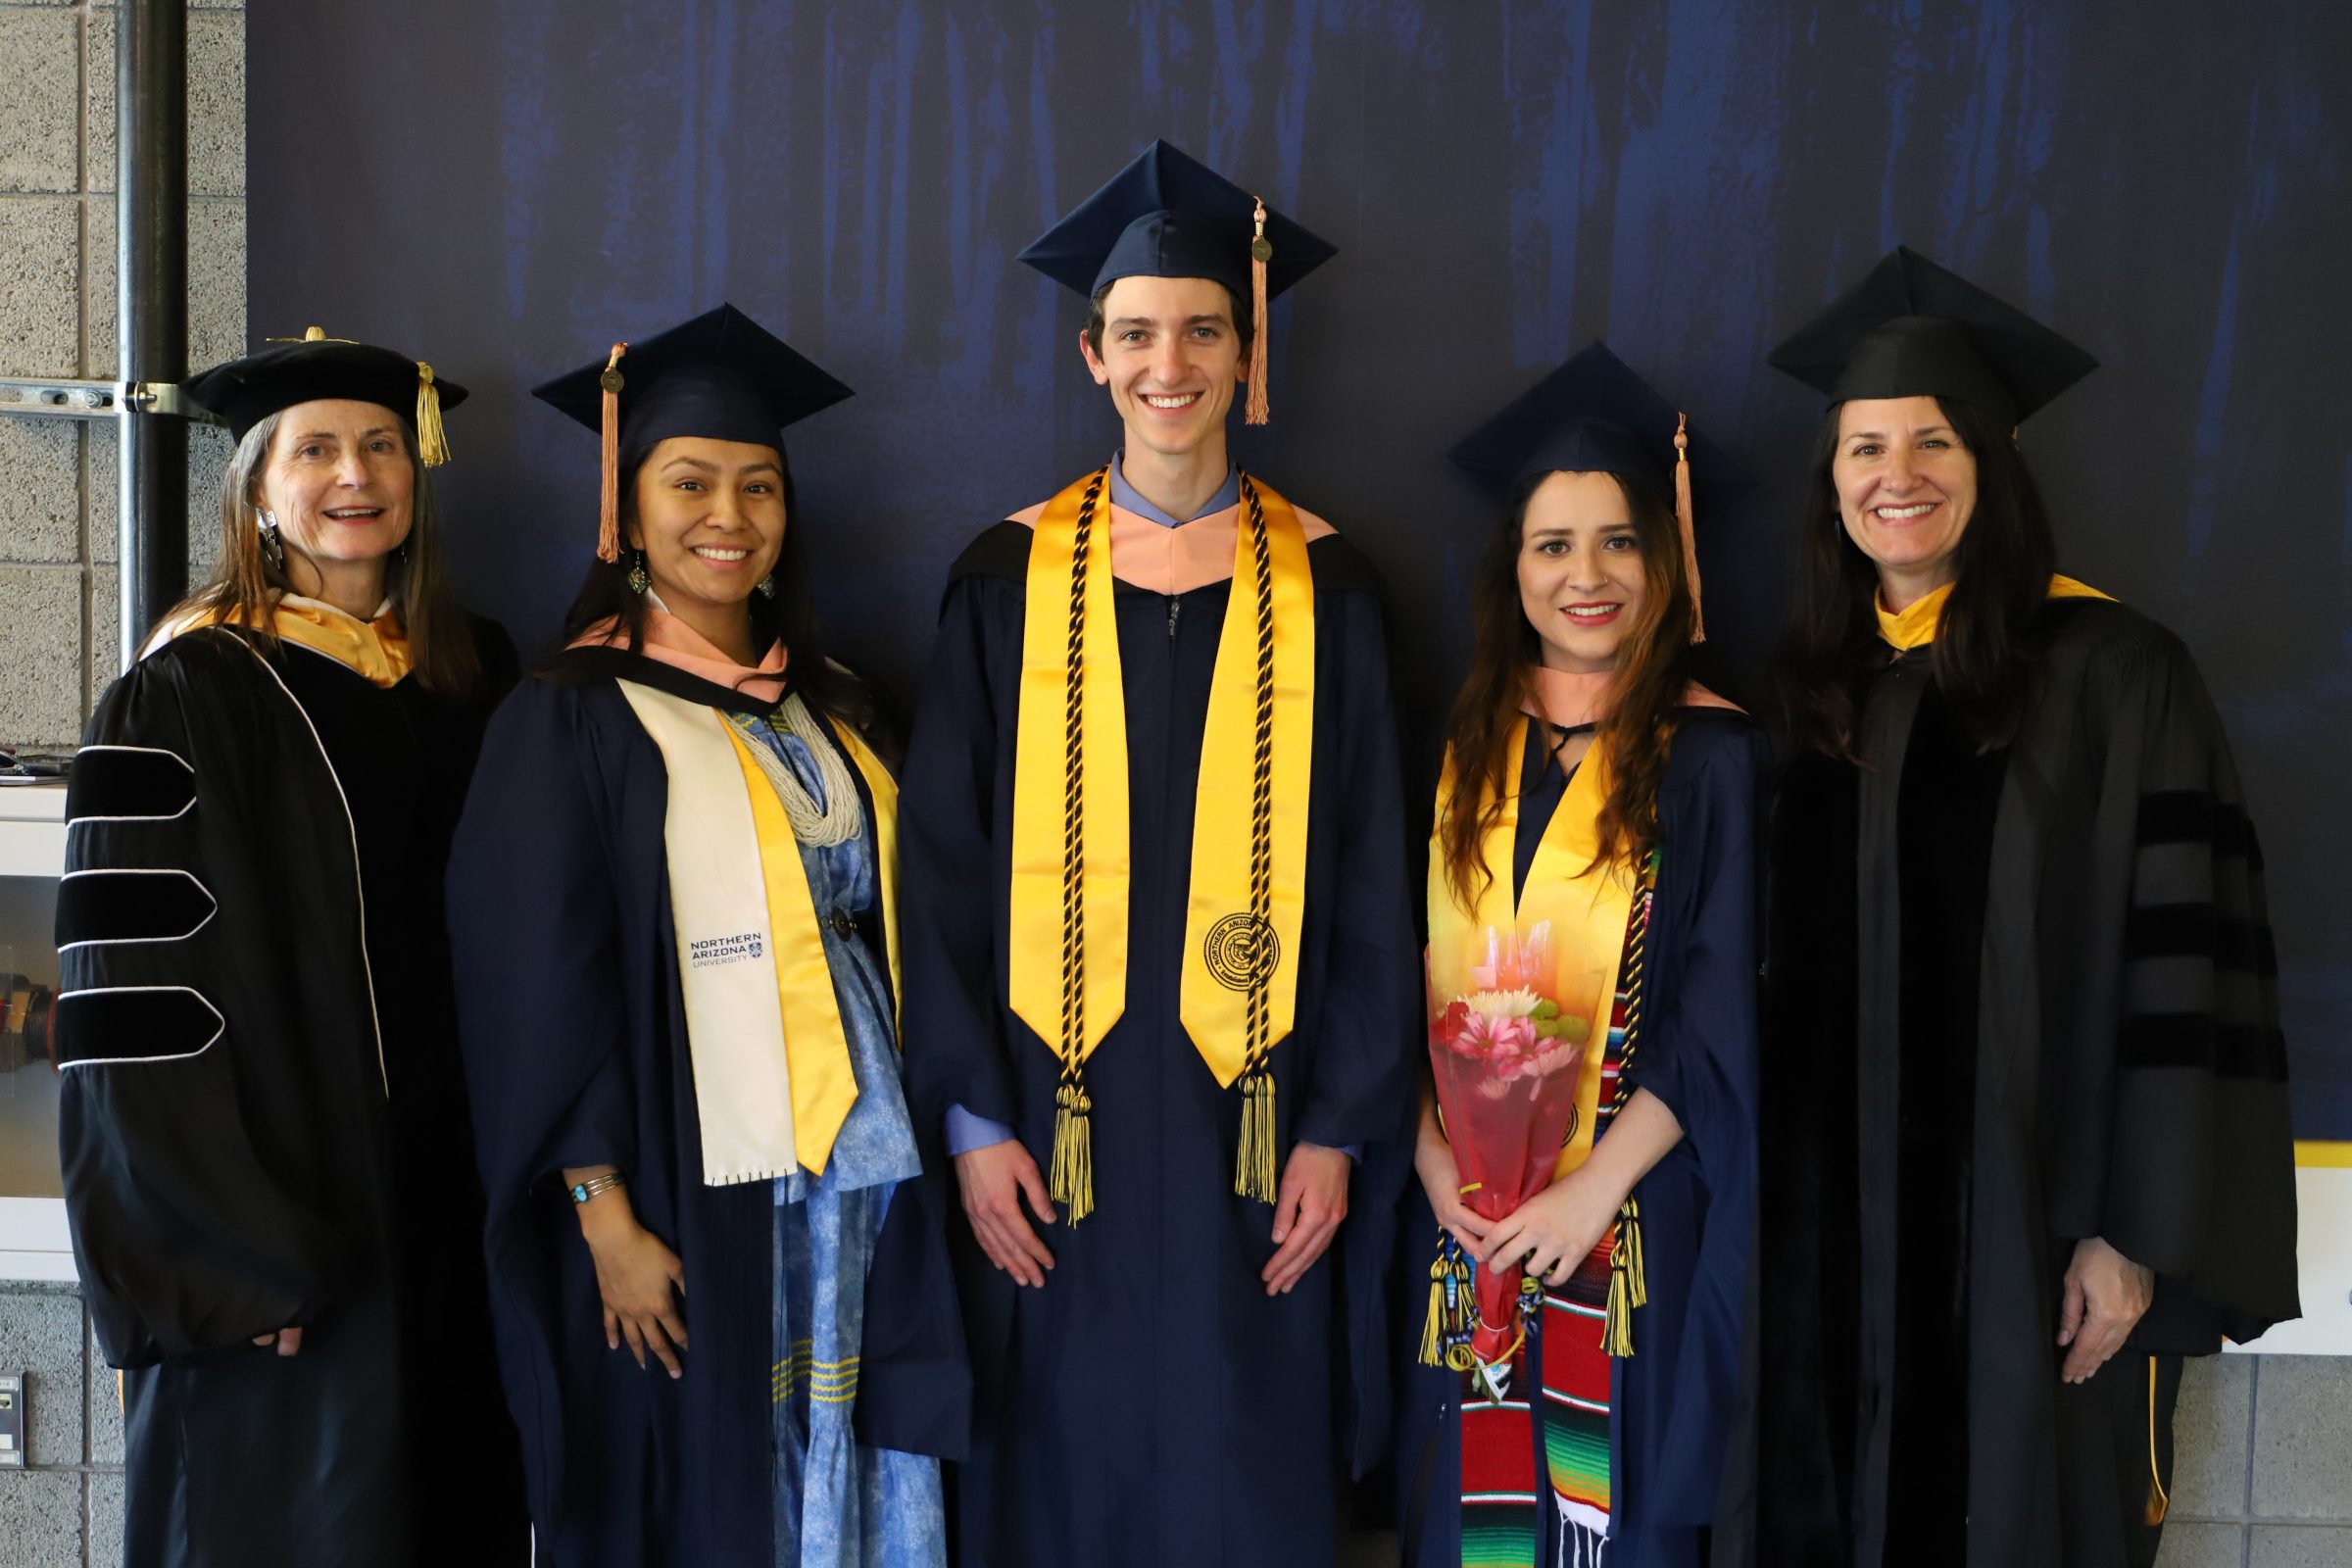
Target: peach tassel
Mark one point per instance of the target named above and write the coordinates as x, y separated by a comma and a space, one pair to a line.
608, 521
1682, 516
1261, 251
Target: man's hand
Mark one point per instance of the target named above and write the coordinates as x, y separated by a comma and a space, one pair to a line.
993, 1180
2106, 1293
1307, 1211
287, 1341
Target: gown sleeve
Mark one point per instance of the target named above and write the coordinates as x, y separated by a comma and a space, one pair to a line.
2200, 1162
948, 923
536, 950
1700, 1062
191, 1231
1361, 1091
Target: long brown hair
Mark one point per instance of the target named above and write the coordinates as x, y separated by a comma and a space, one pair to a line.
243, 583
1636, 727
1985, 649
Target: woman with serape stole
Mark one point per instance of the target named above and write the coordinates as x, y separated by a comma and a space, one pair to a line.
674, 912
2038, 1150
1591, 937
1159, 951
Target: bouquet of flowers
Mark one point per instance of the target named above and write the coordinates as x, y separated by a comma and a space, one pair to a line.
1507, 1055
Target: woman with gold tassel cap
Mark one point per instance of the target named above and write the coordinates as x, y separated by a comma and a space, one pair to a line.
268, 1163
1159, 952
1590, 886
720, 1277
2037, 1147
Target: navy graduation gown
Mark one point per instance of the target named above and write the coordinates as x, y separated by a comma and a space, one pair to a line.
575, 1032
1151, 1404
1673, 1399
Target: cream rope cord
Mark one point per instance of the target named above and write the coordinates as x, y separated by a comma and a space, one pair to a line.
842, 819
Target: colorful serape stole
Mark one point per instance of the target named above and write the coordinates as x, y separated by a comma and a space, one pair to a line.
1502, 1524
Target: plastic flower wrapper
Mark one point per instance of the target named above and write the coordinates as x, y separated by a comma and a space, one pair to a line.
1507, 1059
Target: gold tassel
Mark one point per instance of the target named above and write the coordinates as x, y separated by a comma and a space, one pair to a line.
1627, 1286
1432, 1327
1261, 251
432, 442
1073, 1179
608, 517
1254, 1168
1682, 516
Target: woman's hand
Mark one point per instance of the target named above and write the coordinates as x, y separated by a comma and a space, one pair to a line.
2106, 1294
287, 1341
641, 1280
1442, 1180
1555, 1230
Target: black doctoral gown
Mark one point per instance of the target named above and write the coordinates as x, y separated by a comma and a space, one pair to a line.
2014, 999
575, 1049
264, 1120
1151, 1404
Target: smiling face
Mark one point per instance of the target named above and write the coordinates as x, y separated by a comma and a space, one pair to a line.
1171, 357
339, 480
1906, 488
709, 517
1581, 576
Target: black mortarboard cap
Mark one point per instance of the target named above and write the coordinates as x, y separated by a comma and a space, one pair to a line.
244, 392
1594, 415
1912, 328
1169, 216
721, 377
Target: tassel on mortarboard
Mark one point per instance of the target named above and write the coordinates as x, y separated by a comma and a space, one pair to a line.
1261, 251
432, 442
608, 519
1681, 517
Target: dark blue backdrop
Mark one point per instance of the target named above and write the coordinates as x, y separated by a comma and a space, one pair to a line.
505, 186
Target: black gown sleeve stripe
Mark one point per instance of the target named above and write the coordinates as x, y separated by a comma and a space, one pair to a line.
136, 1023
2195, 1040
115, 783
2196, 930
130, 903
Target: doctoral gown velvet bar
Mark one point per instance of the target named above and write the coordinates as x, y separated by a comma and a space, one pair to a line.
1151, 1404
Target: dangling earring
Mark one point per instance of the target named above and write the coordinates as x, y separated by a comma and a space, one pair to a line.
639, 581
768, 586
273, 549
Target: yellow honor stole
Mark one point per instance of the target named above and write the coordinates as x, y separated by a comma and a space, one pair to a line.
1068, 968
1584, 910
772, 1080
376, 649
1914, 625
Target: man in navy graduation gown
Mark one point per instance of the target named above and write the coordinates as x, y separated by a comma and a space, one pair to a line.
1188, 1375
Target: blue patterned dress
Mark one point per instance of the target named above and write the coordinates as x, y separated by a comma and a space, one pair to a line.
838, 1503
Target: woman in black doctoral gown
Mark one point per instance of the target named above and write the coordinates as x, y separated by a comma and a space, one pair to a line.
267, 1160
2026, 1145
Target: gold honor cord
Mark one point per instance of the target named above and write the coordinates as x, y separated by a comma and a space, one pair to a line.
1072, 1180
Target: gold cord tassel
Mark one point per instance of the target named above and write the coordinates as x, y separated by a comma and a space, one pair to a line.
1681, 517
1432, 1327
432, 442
607, 517
1072, 1182
1261, 251
1253, 1168
1627, 1286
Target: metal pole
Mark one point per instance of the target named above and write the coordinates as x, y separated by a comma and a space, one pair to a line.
151, 306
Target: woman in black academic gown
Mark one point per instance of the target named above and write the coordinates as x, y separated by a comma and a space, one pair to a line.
1596, 819
268, 1162
2031, 1146
673, 900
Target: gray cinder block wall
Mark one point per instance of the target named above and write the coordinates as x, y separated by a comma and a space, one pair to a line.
2265, 1474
